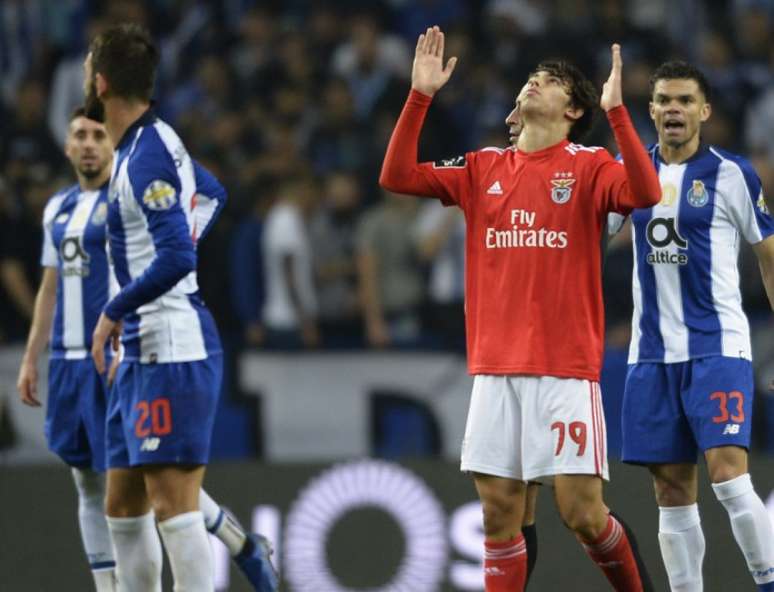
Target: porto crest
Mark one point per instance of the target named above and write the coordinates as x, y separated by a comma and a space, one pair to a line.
697, 195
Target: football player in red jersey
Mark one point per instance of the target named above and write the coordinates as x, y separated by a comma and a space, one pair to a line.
535, 214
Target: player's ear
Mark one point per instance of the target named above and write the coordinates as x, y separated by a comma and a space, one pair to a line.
68, 147
705, 112
652, 110
574, 113
101, 84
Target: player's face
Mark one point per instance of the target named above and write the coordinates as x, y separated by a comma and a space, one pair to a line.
514, 121
546, 94
88, 147
94, 108
678, 108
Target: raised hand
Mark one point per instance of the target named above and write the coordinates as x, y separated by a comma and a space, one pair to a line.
428, 74
611, 91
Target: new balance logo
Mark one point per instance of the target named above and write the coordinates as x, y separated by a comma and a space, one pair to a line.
731, 428
150, 444
495, 189
494, 571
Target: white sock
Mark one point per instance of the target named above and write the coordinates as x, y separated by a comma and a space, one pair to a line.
105, 580
138, 553
188, 549
221, 524
94, 529
682, 547
751, 525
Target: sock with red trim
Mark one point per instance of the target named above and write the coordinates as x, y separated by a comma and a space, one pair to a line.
613, 554
505, 565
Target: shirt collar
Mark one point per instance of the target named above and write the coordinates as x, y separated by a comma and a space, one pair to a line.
147, 118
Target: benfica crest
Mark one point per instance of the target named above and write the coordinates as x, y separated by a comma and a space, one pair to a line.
562, 190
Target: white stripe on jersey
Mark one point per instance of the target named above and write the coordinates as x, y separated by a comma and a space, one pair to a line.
72, 285
670, 298
735, 329
49, 257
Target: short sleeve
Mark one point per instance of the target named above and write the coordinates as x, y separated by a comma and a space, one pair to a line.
49, 256
747, 205
452, 179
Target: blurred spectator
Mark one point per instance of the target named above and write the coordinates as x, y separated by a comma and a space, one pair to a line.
617, 288
21, 42
20, 248
440, 233
67, 85
414, 16
246, 265
759, 128
369, 61
338, 141
332, 239
28, 153
725, 79
290, 309
254, 53
389, 277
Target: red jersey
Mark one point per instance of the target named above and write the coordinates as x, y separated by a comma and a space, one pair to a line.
533, 286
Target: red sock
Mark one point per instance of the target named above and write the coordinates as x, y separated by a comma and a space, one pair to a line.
505, 565
613, 554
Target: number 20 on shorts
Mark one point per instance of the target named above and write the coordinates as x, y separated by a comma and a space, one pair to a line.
157, 413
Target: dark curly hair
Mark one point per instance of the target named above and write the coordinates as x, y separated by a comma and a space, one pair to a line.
127, 57
582, 93
679, 70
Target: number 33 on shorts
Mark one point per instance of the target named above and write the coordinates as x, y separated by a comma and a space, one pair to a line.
732, 417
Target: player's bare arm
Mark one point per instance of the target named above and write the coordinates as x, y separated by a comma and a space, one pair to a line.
429, 75
612, 96
764, 250
27, 382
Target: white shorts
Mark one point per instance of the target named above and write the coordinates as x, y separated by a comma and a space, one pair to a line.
533, 427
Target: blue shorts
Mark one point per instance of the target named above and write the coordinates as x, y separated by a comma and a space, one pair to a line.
673, 411
163, 413
75, 413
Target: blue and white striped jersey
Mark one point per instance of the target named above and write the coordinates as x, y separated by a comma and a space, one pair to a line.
74, 243
160, 203
687, 302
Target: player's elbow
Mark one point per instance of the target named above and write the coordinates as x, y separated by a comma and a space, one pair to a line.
647, 200
177, 263
387, 180
396, 181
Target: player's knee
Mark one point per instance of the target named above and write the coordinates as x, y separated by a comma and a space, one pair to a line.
90, 485
722, 472
122, 506
673, 492
583, 519
500, 513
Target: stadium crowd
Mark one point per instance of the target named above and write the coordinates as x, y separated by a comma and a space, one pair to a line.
291, 103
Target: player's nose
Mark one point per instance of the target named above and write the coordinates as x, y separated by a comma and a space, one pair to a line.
511, 119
